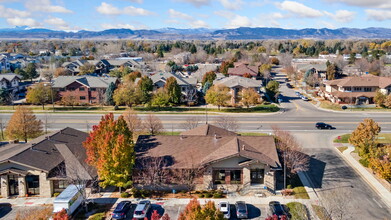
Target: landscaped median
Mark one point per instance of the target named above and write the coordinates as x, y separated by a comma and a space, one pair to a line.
268, 108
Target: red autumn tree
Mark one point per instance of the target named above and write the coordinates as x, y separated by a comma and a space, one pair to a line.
61, 215
155, 215
110, 150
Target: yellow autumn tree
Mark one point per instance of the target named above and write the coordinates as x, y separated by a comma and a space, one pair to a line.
363, 138
249, 97
218, 95
23, 124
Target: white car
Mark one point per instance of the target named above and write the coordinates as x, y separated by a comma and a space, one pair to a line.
225, 209
142, 209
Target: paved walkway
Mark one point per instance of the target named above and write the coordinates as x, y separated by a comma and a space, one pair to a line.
29, 201
367, 176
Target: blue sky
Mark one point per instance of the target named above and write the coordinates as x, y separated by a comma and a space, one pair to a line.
215, 14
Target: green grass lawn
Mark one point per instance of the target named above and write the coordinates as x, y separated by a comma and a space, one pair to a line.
321, 212
342, 149
170, 133
297, 210
252, 134
343, 139
330, 105
382, 138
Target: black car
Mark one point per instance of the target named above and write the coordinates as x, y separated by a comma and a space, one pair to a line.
289, 85
277, 209
322, 125
121, 210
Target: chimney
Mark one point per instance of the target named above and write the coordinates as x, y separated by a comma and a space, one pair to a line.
243, 147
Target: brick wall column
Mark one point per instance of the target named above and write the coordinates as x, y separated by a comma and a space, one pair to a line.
22, 186
246, 176
227, 177
45, 186
4, 186
208, 179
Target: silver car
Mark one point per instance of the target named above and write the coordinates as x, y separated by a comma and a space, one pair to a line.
142, 209
225, 209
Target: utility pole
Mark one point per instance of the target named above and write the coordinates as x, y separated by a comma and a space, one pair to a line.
206, 114
284, 170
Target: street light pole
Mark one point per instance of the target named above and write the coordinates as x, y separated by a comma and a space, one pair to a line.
284, 170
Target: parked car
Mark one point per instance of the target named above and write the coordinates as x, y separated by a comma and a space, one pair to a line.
289, 85
277, 209
121, 210
142, 209
322, 125
298, 94
241, 209
344, 107
304, 98
225, 209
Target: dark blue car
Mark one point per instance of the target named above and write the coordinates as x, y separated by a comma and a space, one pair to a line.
121, 210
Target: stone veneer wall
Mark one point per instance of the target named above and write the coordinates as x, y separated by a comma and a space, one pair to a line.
45, 186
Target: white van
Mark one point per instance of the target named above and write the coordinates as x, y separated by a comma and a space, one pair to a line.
70, 199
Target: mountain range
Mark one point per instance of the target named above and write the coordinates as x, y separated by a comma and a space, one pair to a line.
242, 33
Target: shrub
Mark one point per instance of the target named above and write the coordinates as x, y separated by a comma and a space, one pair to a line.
136, 193
217, 195
56, 194
201, 195
364, 162
124, 195
208, 195
97, 216
289, 186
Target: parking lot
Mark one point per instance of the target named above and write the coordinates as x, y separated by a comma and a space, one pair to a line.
254, 211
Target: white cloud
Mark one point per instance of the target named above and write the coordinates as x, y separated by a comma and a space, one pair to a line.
277, 15
328, 24
9, 12
239, 21
224, 14
343, 16
108, 9
232, 4
57, 23
198, 24
177, 16
299, 10
45, 6
16, 21
365, 3
378, 15
197, 3
125, 26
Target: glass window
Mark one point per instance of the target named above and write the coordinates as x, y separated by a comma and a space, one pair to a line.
32, 184
367, 89
219, 176
60, 185
236, 176
81, 89
82, 98
93, 89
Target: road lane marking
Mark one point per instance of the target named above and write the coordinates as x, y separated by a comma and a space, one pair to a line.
377, 202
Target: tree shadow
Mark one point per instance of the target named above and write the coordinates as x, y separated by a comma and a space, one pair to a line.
316, 172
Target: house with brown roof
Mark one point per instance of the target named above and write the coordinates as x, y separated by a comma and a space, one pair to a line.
356, 90
242, 68
45, 165
227, 160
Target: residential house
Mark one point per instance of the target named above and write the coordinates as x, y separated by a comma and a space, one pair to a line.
227, 160
83, 89
237, 84
242, 68
320, 69
74, 67
4, 63
45, 165
187, 85
134, 64
10, 82
356, 90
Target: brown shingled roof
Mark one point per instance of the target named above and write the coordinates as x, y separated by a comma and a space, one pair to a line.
365, 80
242, 69
187, 151
209, 130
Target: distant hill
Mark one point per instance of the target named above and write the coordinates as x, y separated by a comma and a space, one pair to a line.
242, 33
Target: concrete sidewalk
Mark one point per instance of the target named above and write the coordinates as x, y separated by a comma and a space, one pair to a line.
29, 201
367, 176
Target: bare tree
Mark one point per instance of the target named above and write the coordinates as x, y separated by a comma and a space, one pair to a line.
340, 62
227, 122
290, 151
188, 176
190, 123
153, 124
285, 59
362, 65
134, 122
153, 171
3, 122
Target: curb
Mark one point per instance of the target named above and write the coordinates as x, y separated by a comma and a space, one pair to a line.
386, 199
